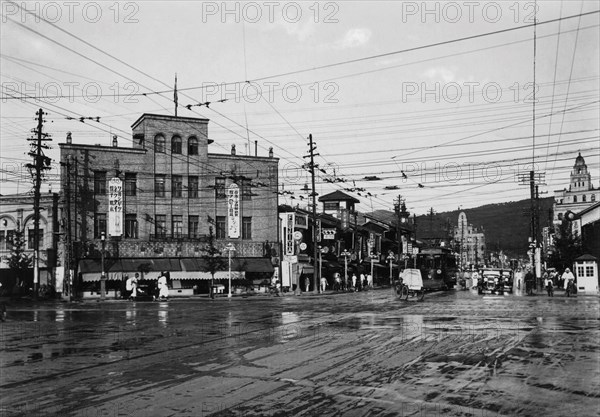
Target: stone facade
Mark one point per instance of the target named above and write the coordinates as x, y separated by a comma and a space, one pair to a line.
173, 191
16, 213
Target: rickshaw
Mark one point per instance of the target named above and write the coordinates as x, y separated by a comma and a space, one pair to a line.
410, 284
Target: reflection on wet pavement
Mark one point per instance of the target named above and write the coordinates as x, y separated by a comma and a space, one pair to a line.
455, 354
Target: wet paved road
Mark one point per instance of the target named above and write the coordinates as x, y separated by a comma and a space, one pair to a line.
359, 354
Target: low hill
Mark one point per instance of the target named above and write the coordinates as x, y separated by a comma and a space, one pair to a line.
506, 225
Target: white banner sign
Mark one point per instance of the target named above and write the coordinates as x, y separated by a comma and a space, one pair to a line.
115, 207
233, 210
289, 235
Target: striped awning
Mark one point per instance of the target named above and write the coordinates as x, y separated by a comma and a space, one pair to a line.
178, 268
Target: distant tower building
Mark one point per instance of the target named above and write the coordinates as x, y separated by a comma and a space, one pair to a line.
470, 242
580, 195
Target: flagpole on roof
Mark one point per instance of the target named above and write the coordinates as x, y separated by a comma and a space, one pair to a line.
175, 95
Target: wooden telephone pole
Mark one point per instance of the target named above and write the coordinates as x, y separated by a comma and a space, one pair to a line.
311, 167
40, 164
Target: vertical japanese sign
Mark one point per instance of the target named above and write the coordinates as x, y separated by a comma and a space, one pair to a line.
289, 234
115, 207
233, 210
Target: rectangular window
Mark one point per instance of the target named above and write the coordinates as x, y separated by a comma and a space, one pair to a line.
246, 190
10, 234
177, 186
100, 182
331, 205
99, 225
32, 240
160, 226
193, 187
177, 226
247, 228
130, 184
220, 225
131, 226
3, 240
589, 271
219, 188
159, 185
193, 146
194, 227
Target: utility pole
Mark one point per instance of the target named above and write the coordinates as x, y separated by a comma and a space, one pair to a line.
311, 166
68, 238
41, 163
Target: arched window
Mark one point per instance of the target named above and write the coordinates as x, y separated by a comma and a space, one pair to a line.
584, 198
159, 144
193, 146
560, 216
593, 198
176, 144
574, 199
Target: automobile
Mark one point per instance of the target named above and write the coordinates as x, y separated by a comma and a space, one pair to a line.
490, 282
507, 280
495, 281
410, 283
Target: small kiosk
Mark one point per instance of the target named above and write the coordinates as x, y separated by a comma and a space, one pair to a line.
586, 272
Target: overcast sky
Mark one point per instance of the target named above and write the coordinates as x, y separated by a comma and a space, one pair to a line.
383, 87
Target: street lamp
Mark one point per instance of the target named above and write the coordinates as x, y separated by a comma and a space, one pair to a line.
390, 258
346, 254
229, 248
103, 274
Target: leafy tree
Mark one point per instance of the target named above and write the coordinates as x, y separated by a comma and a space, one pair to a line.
19, 261
567, 247
212, 257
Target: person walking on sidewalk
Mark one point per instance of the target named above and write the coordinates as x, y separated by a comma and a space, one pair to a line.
323, 284
306, 283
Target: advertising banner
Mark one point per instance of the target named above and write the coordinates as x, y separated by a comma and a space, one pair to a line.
233, 211
115, 207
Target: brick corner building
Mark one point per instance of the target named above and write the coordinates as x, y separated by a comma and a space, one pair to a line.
173, 190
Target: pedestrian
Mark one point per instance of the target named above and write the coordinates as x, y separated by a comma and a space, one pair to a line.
131, 285
163, 289
338, 282
475, 279
354, 282
542, 280
323, 284
529, 281
549, 285
362, 280
519, 277
370, 280
566, 277
307, 283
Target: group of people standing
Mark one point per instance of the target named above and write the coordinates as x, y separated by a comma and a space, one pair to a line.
353, 284
133, 289
548, 278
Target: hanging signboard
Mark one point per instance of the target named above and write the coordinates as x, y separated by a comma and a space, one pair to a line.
115, 207
233, 211
289, 233
328, 234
